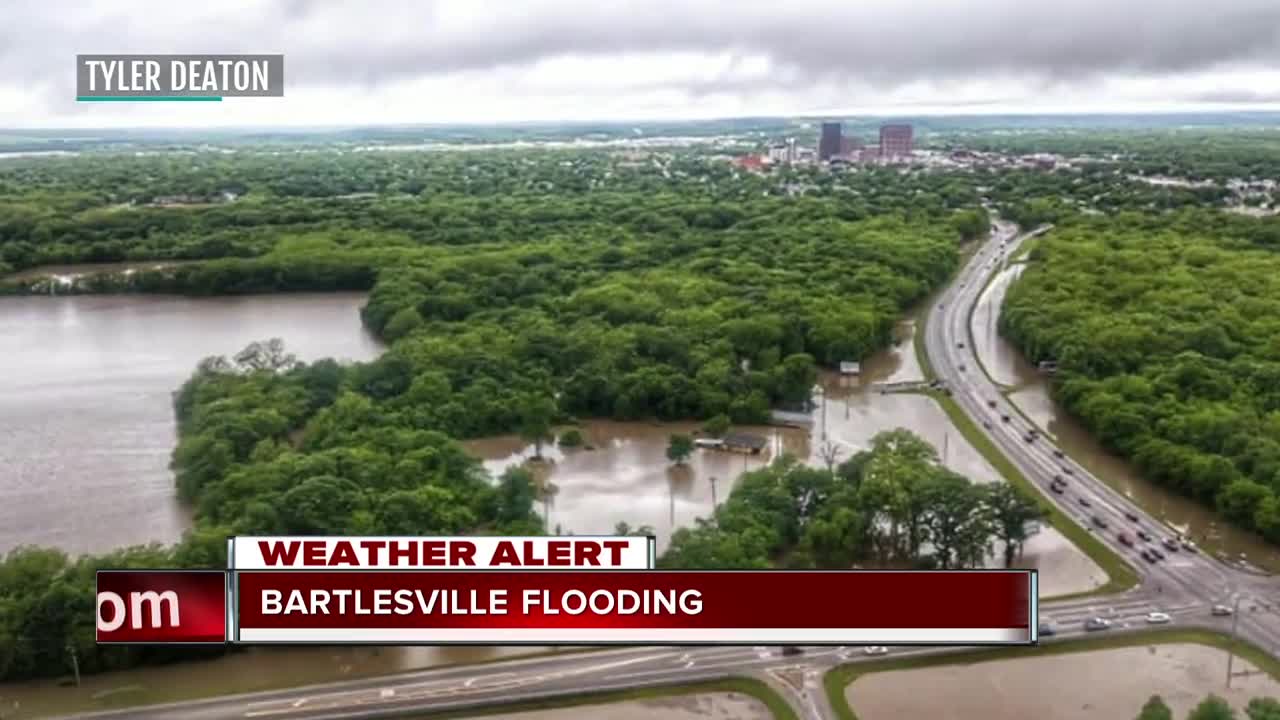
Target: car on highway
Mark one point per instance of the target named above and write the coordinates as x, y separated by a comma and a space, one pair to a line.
792, 650
1046, 629
960, 344
1124, 540
1068, 471
960, 367
1005, 418
1143, 535
1099, 521
1170, 544
1158, 618
986, 424
1029, 438
1130, 515
991, 403
1056, 488
1084, 502
1188, 546
1157, 554
1149, 556
1097, 623
876, 650
1059, 480
1057, 453
1220, 610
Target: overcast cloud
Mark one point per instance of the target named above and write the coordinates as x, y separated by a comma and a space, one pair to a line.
378, 61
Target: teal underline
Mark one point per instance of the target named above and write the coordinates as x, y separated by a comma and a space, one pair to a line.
147, 98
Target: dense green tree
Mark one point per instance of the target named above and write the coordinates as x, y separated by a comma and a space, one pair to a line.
1212, 708
1155, 709
1263, 709
679, 448
536, 414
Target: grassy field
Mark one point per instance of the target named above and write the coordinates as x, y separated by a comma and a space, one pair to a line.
778, 706
839, 678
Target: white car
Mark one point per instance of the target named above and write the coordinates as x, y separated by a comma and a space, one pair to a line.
1221, 610
1158, 618
876, 650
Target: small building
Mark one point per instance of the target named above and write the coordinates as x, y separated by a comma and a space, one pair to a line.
850, 368
744, 443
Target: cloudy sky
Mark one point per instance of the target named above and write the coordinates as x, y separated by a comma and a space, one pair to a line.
442, 61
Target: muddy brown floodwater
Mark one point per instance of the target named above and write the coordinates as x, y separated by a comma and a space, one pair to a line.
708, 706
626, 476
1029, 391
86, 415
85, 411
1084, 686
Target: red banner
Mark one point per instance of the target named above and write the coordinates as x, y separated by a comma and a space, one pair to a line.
647, 607
162, 606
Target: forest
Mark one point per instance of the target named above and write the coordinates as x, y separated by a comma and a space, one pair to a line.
516, 292
1166, 330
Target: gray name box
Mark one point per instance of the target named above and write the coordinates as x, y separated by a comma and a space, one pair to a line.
124, 76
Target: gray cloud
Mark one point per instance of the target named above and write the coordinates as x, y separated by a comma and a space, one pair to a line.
868, 46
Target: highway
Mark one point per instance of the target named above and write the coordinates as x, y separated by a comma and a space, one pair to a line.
1185, 585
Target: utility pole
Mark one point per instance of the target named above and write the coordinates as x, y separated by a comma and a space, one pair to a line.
1235, 638
824, 413
75, 662
671, 499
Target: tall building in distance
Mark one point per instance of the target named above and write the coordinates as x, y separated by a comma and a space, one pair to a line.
829, 141
895, 141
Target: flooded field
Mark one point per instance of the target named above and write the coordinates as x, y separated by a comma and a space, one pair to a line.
709, 706
1030, 392
1084, 686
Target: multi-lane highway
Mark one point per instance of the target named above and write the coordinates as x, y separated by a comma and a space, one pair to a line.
1184, 575
1184, 585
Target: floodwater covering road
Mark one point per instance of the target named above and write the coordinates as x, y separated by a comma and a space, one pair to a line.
1029, 391
1083, 686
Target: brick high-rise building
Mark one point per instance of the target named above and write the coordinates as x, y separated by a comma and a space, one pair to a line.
829, 142
895, 141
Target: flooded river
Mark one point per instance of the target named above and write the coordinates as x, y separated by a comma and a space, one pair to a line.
86, 420
1029, 390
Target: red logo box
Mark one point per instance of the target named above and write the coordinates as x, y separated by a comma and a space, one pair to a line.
162, 607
